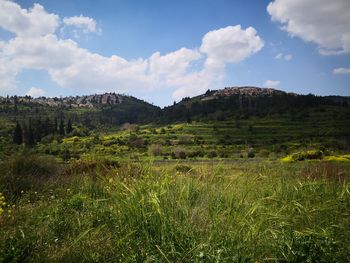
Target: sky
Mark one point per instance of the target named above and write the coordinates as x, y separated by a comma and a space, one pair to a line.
161, 51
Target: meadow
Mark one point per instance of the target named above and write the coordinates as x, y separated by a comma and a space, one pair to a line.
181, 211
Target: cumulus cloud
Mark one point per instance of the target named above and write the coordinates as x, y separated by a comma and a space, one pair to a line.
186, 72
341, 71
272, 83
32, 22
231, 44
323, 22
86, 24
35, 92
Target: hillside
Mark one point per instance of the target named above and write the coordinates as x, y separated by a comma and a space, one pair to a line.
238, 102
217, 124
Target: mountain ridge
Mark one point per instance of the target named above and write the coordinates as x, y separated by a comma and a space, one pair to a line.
112, 98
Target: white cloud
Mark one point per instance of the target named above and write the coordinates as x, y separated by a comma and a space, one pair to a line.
35, 92
279, 56
230, 45
174, 63
86, 24
33, 22
272, 83
341, 71
186, 72
324, 22
286, 57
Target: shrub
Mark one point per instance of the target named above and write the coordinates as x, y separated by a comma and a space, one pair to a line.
182, 154
264, 153
178, 153
156, 150
309, 155
212, 154
2, 204
185, 139
250, 153
223, 154
24, 173
136, 142
301, 156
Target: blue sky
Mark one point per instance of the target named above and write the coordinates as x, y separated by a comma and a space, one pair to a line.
307, 53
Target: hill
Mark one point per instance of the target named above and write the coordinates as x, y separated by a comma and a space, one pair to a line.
217, 124
238, 102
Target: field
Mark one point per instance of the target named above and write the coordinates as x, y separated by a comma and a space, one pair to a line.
244, 211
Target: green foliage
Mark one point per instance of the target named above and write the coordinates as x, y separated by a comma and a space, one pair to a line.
18, 134
219, 213
304, 155
212, 154
250, 153
182, 168
21, 173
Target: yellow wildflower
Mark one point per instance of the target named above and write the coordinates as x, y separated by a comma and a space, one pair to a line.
2, 203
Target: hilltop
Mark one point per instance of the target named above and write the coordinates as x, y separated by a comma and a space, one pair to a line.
108, 99
87, 101
242, 91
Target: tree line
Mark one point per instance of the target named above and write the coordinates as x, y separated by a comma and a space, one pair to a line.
32, 131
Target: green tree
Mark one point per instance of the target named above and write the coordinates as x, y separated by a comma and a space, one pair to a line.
18, 134
69, 126
55, 126
61, 128
30, 135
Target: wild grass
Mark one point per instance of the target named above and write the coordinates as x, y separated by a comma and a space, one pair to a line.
184, 213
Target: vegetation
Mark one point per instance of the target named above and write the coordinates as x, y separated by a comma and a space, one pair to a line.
195, 213
224, 179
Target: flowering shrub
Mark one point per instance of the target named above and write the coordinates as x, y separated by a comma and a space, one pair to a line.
2, 203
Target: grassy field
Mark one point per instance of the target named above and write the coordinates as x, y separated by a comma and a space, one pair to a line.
243, 211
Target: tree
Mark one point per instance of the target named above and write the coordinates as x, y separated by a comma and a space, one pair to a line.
69, 126
55, 126
61, 128
47, 127
188, 116
30, 135
18, 134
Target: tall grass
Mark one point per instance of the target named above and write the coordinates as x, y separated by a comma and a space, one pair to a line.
25, 172
210, 213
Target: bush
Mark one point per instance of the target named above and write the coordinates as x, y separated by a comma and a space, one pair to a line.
24, 173
185, 139
250, 153
182, 154
264, 153
156, 150
223, 154
309, 155
178, 153
212, 154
